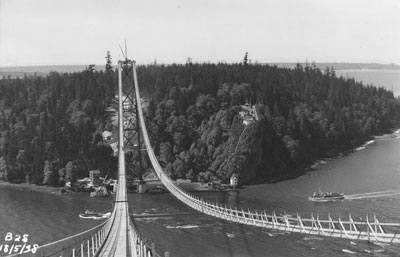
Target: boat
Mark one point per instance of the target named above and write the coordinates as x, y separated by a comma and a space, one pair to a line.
94, 215
326, 196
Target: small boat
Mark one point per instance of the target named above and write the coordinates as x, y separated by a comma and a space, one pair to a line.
94, 215
326, 196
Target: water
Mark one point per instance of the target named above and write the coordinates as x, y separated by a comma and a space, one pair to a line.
389, 79
45, 217
370, 174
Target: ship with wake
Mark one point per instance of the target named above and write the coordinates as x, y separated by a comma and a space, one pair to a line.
326, 196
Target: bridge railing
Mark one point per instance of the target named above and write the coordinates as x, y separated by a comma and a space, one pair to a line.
364, 230
86, 244
144, 248
89, 243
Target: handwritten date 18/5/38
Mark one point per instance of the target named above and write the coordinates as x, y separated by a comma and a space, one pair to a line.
17, 244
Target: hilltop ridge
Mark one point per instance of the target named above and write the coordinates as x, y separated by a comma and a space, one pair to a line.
43, 70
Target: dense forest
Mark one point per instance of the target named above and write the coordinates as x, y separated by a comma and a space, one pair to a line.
51, 126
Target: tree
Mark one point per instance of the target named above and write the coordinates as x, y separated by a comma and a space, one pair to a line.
61, 175
51, 175
71, 171
10, 174
179, 168
240, 93
205, 105
109, 67
223, 95
91, 68
293, 147
21, 166
165, 156
245, 59
3, 168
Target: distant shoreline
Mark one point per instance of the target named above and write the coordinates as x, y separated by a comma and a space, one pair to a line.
43, 70
343, 66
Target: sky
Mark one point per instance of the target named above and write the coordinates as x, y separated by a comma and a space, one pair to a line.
68, 32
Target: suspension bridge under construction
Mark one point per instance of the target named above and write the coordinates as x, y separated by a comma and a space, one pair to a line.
119, 236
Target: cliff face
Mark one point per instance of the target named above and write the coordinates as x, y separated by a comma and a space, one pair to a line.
275, 157
256, 153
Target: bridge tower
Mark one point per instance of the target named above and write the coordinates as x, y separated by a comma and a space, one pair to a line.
132, 137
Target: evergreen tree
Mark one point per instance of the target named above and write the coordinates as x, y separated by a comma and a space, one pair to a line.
109, 67
51, 176
245, 59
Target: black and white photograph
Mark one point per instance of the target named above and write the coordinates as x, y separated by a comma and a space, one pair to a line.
200, 128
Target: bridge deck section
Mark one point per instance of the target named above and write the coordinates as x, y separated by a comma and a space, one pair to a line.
118, 242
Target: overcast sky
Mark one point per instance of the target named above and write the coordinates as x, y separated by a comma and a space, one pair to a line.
48, 32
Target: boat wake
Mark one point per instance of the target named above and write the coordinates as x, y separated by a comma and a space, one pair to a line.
313, 238
183, 226
348, 251
373, 195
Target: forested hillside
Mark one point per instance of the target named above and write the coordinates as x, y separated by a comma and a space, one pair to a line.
51, 127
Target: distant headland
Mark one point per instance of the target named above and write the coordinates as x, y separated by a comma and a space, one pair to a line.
343, 65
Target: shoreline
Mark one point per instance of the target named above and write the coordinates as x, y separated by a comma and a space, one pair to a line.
332, 155
199, 187
32, 187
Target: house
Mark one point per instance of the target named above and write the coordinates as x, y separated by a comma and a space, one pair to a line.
234, 180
